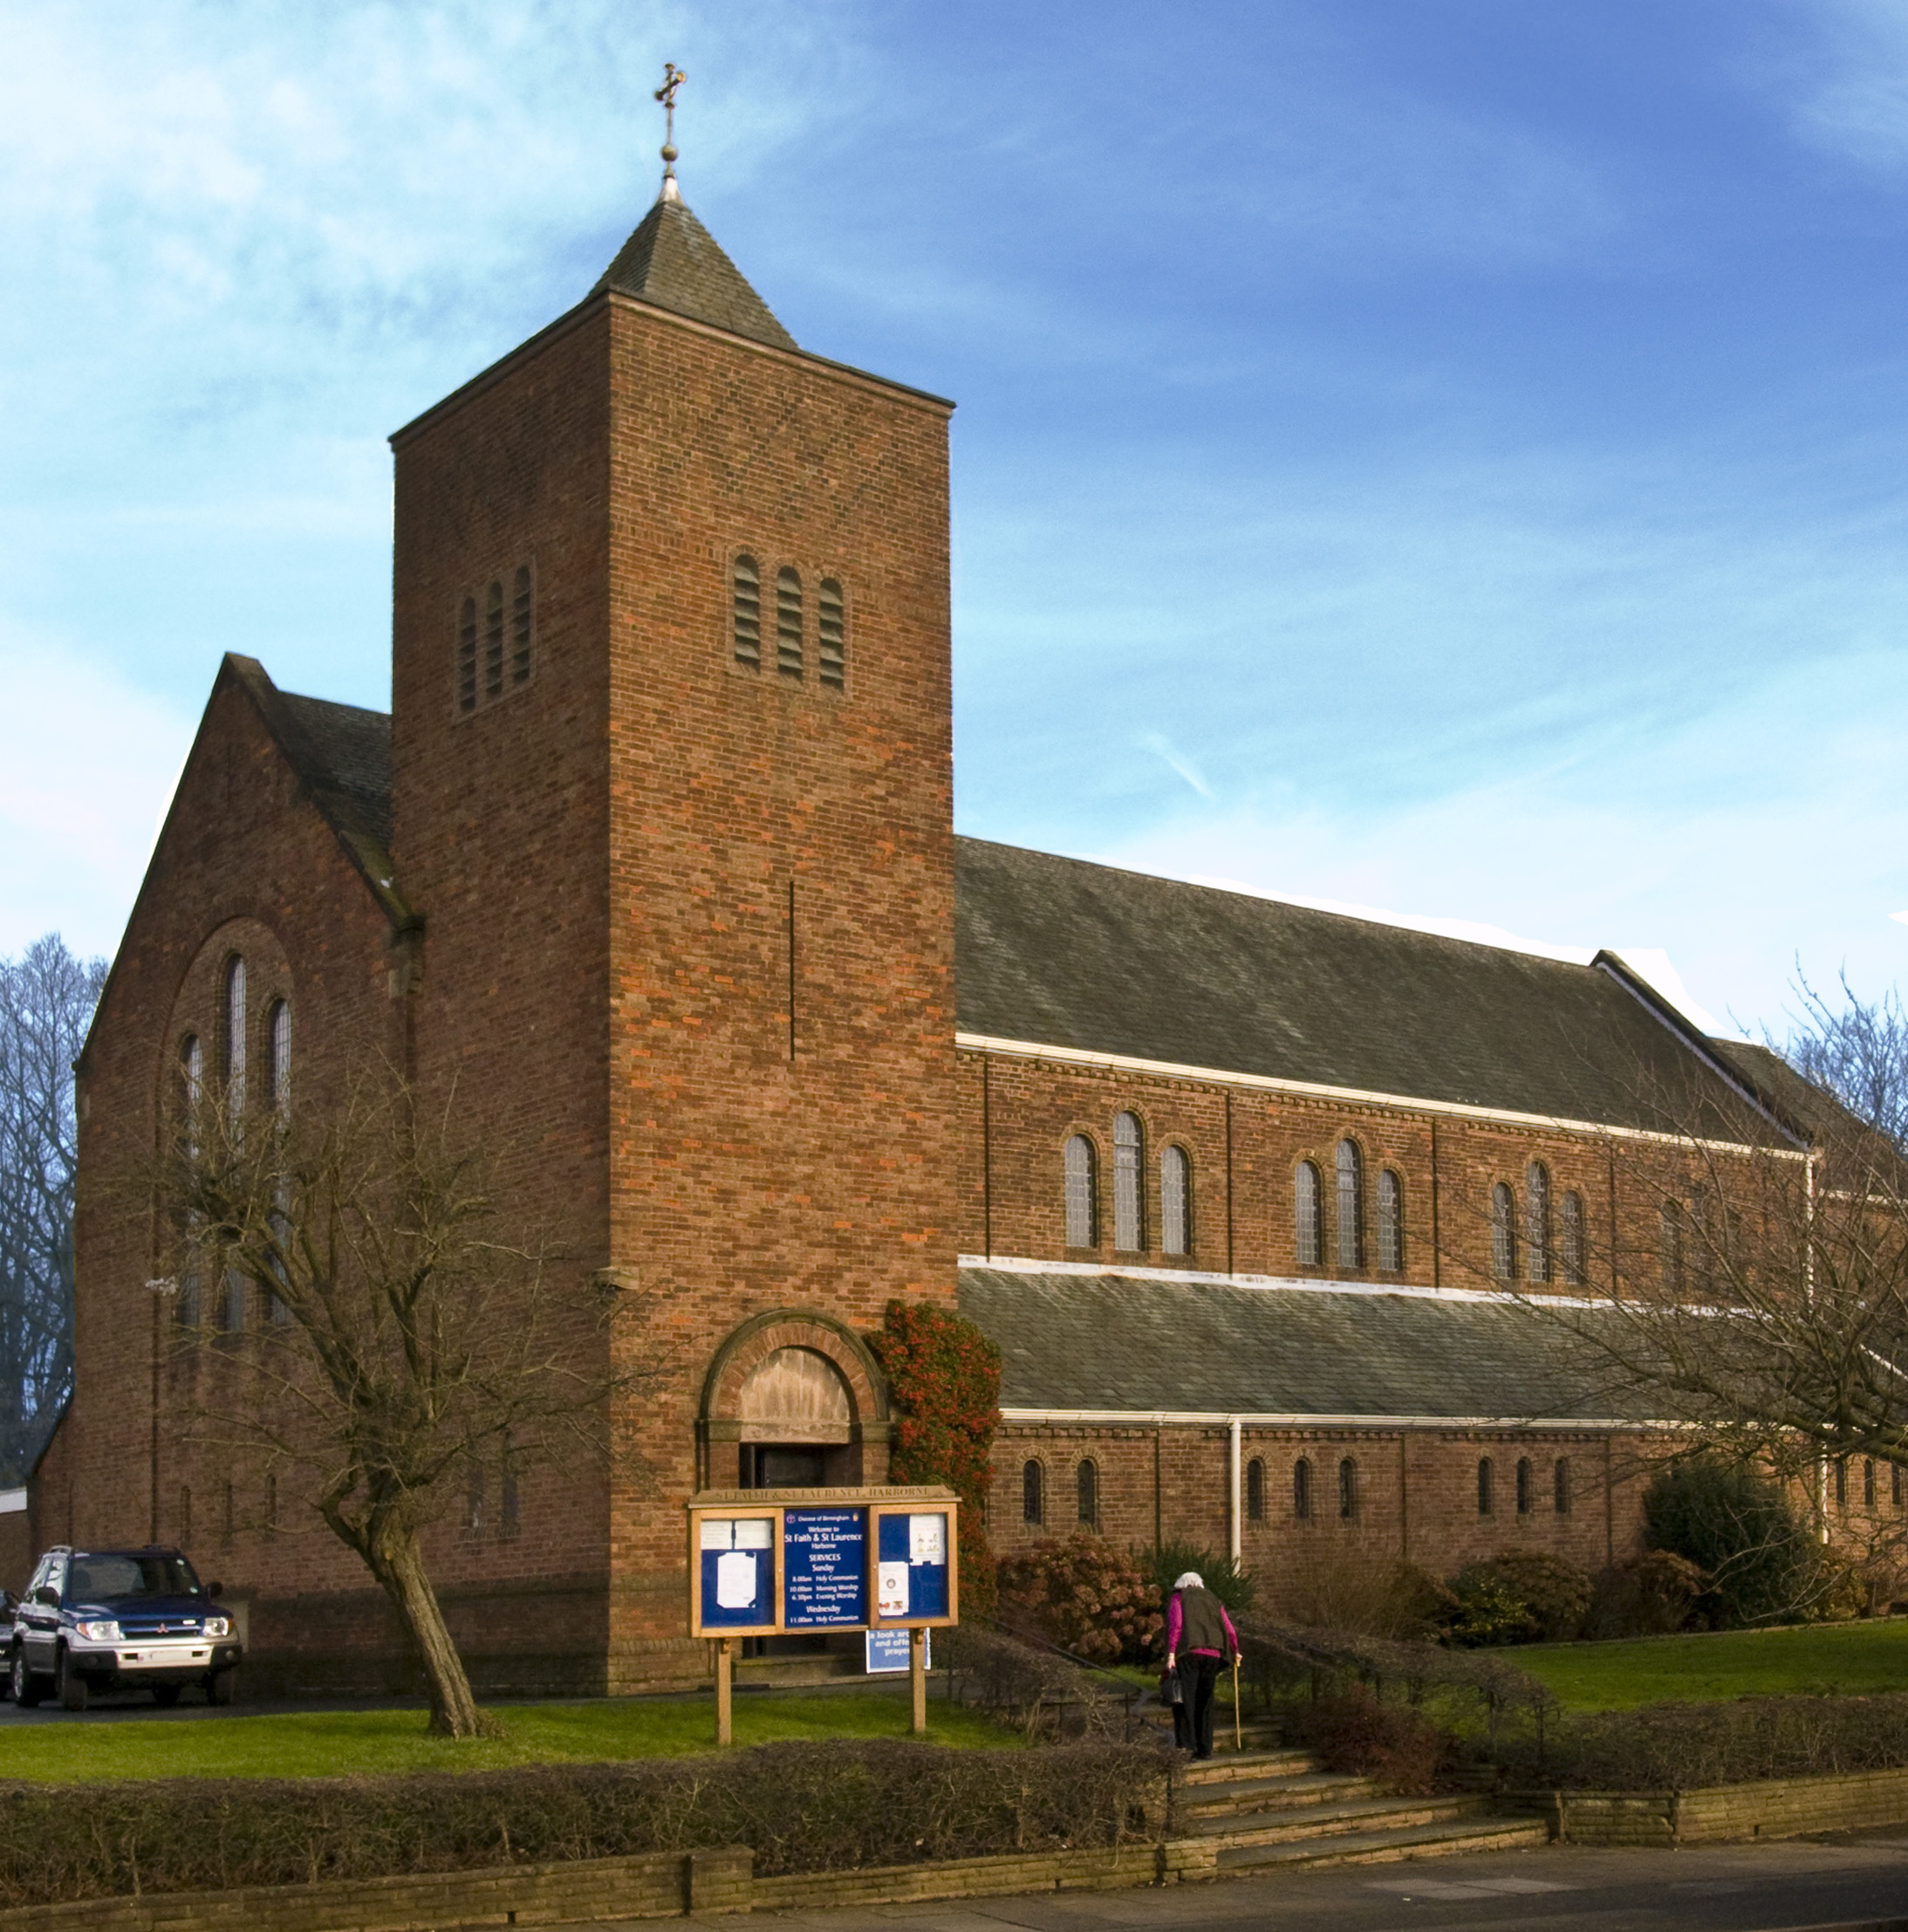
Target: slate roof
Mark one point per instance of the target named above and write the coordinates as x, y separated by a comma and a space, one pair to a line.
1069, 953
1108, 1341
674, 262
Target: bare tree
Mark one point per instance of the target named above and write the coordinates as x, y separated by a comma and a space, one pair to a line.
400, 1338
47, 999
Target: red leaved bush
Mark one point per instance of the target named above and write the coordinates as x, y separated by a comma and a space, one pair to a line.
944, 1381
1085, 1595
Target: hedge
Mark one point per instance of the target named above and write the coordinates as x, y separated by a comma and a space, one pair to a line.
804, 1807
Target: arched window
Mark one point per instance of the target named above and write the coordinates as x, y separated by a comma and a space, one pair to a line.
830, 635
510, 1514
1348, 1489
1307, 1246
1256, 1490
279, 1048
1670, 1234
1088, 1478
1391, 1223
1082, 1194
1503, 1233
278, 1310
1033, 1498
520, 626
1538, 1222
234, 1035
191, 1081
1842, 1482
1175, 1201
1350, 1208
788, 623
1894, 1483
1525, 1502
493, 642
1302, 1489
232, 1304
1571, 1239
1559, 1485
746, 623
466, 655
1486, 1475
1868, 1482
1129, 1192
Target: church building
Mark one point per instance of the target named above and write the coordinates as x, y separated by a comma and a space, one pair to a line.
651, 864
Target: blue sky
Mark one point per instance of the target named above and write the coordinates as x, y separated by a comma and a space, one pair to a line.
1448, 457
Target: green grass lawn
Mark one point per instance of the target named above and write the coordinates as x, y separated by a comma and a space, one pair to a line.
329, 1743
1731, 1663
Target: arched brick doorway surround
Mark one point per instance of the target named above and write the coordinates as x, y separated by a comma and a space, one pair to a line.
793, 1377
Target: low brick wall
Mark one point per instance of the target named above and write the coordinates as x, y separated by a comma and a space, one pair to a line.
1776, 1808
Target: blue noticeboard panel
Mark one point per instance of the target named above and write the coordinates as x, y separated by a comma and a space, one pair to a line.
737, 1566
887, 1650
916, 1540
826, 1555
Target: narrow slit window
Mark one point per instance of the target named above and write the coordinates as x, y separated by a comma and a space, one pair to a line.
788, 623
1302, 1489
232, 1310
467, 657
1089, 1484
1256, 1490
1175, 1201
1083, 1201
1669, 1248
1525, 1502
830, 635
520, 626
1129, 1169
493, 642
1348, 1489
509, 1503
1307, 1246
1868, 1482
1350, 1208
1391, 1223
1842, 1482
1559, 1485
1033, 1501
1503, 1233
278, 1047
1486, 1484
747, 622
234, 1035
1571, 1239
1538, 1222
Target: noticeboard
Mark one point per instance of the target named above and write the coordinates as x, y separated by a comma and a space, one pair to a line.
874, 1558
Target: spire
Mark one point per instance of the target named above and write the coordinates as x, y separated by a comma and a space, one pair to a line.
674, 262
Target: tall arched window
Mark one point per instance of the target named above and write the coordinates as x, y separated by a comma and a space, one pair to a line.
1571, 1239
746, 608
520, 609
1089, 1484
278, 1047
1391, 1223
788, 623
1351, 1207
1868, 1482
1175, 1201
830, 635
493, 641
1307, 1243
1082, 1194
232, 1302
1669, 1226
1348, 1489
1033, 1498
1485, 1483
1559, 1485
1302, 1489
191, 1079
466, 655
234, 1034
1538, 1222
1256, 1490
1503, 1233
1129, 1190
1525, 1502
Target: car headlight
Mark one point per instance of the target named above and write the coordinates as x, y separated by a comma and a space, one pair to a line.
99, 1630
218, 1626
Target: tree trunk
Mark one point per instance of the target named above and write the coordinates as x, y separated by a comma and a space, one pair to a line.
399, 1566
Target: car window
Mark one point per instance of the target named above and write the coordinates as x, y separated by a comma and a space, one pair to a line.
96, 1578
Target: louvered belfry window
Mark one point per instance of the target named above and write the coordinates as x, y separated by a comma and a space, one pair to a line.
788, 623
1307, 1246
1503, 1233
1083, 1203
747, 604
1538, 1222
520, 626
493, 641
830, 635
496, 635
1350, 1208
1391, 1223
1175, 1201
1129, 1169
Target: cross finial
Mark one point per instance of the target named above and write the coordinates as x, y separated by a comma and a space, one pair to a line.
673, 78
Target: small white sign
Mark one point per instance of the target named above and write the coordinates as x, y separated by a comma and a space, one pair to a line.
756, 1532
890, 1589
927, 1539
735, 1580
718, 1533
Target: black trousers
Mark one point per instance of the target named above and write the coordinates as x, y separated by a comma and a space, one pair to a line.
1197, 1674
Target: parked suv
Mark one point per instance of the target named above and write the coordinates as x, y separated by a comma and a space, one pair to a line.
111, 1620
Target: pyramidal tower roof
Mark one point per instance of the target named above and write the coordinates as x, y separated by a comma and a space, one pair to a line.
674, 262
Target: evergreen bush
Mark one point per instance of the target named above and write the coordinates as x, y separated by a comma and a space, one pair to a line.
1738, 1526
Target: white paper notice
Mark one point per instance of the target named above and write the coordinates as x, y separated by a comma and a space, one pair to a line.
927, 1539
716, 1532
735, 1580
890, 1589
756, 1532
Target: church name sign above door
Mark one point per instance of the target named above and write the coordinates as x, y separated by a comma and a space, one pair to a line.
885, 1556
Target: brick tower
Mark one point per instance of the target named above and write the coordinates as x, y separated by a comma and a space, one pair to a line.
672, 792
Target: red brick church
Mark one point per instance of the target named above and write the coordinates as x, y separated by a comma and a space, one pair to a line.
654, 857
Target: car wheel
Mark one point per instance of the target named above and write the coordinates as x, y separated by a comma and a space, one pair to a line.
68, 1685
218, 1688
164, 1696
26, 1686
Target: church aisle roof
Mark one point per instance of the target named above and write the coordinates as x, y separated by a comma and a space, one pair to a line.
673, 261
1112, 1342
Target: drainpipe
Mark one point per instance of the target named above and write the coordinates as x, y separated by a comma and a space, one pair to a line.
1235, 1514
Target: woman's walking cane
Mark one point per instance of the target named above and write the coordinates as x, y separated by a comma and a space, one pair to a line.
1238, 1739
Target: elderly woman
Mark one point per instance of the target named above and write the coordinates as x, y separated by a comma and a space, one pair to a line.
1200, 1637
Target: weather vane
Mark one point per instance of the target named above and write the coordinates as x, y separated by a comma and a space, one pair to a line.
673, 78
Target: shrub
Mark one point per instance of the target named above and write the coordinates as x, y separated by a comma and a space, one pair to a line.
1488, 1609
1080, 1592
1736, 1525
1353, 1732
1518, 1596
1649, 1598
1037, 1689
1354, 1592
804, 1807
1163, 1563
